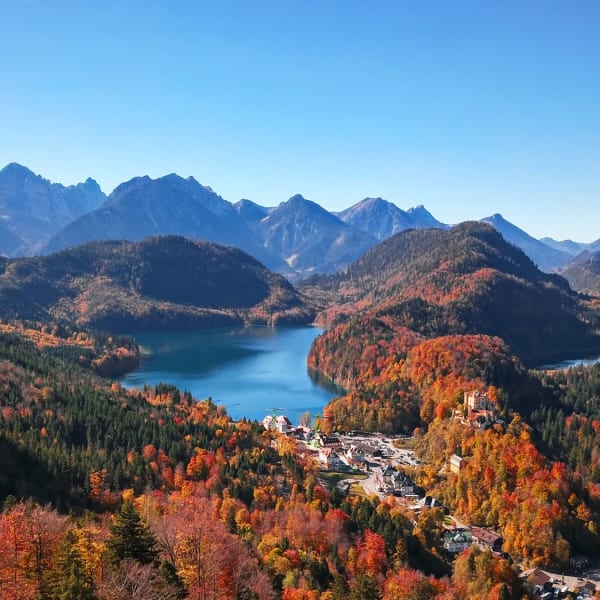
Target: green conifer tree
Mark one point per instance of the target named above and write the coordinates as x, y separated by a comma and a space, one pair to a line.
364, 588
339, 588
70, 580
130, 538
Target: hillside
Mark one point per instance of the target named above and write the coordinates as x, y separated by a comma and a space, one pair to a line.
159, 283
583, 273
462, 281
255, 502
163, 475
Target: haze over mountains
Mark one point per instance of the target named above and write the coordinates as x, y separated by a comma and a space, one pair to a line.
296, 238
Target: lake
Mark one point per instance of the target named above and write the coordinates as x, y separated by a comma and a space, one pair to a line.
250, 371
567, 364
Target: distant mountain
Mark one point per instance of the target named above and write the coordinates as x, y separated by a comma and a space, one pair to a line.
32, 209
169, 205
423, 219
545, 257
466, 280
298, 238
573, 248
381, 219
583, 273
311, 239
250, 211
159, 283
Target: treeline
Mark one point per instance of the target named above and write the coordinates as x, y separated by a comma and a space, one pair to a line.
108, 355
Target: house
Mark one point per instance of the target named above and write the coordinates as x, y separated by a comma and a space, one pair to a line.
536, 581
487, 539
326, 441
281, 423
480, 409
477, 401
456, 463
585, 588
457, 540
329, 458
354, 455
370, 451
402, 484
384, 474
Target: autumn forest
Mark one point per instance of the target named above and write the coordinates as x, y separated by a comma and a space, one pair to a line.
111, 493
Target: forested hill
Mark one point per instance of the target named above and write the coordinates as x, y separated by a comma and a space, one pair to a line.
159, 283
465, 280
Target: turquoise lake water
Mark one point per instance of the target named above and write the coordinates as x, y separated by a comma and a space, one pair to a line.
250, 371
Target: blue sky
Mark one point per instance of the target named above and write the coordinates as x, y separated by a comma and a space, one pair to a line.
467, 107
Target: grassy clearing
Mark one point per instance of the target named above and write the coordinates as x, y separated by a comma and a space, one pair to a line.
334, 477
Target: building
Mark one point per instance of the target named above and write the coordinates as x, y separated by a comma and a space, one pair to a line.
481, 412
354, 455
546, 585
403, 484
456, 463
326, 441
329, 458
487, 539
478, 401
457, 540
384, 476
281, 423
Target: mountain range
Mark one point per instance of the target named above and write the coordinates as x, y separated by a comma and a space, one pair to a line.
297, 238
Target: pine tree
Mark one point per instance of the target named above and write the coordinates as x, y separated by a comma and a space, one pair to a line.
364, 588
339, 588
130, 538
70, 580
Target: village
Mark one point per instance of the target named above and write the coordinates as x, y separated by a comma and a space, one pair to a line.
382, 465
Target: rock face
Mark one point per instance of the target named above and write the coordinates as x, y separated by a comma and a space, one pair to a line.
32, 209
311, 239
382, 219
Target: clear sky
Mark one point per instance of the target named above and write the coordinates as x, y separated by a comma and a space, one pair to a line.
468, 107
